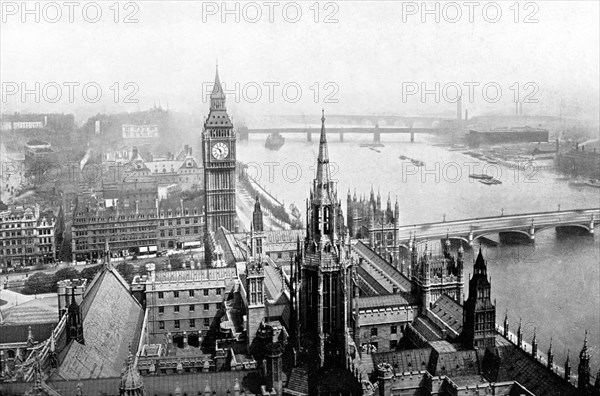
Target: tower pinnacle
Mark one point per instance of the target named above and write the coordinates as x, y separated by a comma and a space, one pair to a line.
322, 181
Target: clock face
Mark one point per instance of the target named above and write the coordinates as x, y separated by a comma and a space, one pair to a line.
220, 151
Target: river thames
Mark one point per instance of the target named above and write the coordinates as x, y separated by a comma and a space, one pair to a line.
553, 284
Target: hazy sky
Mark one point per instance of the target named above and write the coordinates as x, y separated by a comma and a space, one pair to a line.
367, 56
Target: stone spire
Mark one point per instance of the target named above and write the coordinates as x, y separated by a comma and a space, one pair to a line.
550, 356
534, 345
568, 367
217, 96
30, 340
584, 366
322, 180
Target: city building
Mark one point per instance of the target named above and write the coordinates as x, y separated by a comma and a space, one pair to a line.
366, 219
37, 149
28, 236
135, 222
219, 154
181, 224
127, 226
525, 134
137, 131
182, 169
25, 122
579, 162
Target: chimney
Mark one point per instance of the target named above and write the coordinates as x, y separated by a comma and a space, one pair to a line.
186, 149
190, 150
134, 152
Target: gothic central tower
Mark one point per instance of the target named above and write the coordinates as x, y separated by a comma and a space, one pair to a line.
325, 268
219, 154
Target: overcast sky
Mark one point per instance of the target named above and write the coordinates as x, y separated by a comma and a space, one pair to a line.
367, 56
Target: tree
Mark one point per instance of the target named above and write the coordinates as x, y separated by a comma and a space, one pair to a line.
90, 272
176, 262
40, 282
64, 274
126, 270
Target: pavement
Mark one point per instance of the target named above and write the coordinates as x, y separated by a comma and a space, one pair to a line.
13, 298
245, 209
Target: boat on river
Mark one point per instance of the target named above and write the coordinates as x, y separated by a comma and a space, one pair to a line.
480, 176
490, 182
274, 141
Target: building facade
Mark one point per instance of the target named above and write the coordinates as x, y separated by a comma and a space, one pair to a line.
28, 236
367, 219
133, 131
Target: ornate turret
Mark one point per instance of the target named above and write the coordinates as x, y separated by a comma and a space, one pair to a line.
371, 226
550, 356
506, 325
131, 383
519, 335
584, 366
447, 246
325, 268
479, 330
30, 340
257, 216
40, 388
568, 368
534, 345
53, 356
75, 321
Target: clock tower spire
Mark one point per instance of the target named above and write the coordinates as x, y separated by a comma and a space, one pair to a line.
219, 155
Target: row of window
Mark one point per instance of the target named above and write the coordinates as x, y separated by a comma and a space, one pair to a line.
393, 330
178, 231
196, 220
177, 323
192, 308
191, 293
13, 251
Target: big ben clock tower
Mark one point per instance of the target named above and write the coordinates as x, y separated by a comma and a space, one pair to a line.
219, 153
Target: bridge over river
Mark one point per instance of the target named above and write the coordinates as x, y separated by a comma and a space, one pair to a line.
376, 131
527, 225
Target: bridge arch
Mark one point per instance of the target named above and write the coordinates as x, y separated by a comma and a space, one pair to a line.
527, 234
579, 226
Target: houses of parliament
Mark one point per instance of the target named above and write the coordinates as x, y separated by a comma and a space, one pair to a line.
343, 314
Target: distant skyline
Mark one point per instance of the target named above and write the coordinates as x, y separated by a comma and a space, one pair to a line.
170, 57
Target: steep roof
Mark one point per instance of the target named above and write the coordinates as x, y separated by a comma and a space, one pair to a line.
190, 383
112, 320
18, 333
386, 301
449, 312
506, 362
386, 268
33, 311
405, 361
